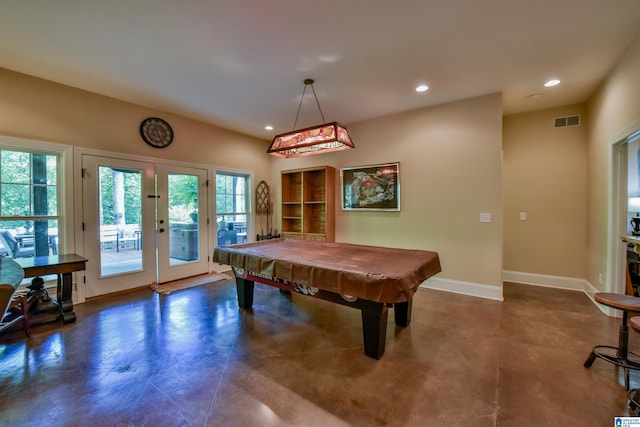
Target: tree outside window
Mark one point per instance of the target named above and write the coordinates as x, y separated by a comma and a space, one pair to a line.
231, 207
29, 203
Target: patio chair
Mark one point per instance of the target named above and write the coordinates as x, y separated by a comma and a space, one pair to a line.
11, 246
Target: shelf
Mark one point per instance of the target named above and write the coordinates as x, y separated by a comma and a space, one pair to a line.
292, 187
292, 210
291, 225
308, 203
315, 218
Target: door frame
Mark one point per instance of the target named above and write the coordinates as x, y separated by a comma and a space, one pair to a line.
617, 212
78, 202
115, 281
617, 224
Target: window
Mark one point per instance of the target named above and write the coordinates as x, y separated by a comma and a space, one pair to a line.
29, 203
232, 201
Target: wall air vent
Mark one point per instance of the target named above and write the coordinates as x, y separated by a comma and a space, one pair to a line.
567, 121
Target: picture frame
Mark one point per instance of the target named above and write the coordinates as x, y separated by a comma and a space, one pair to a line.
371, 187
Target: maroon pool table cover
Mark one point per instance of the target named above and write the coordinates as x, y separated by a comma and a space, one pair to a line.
373, 273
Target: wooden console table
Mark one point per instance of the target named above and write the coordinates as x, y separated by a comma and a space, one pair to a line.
61, 265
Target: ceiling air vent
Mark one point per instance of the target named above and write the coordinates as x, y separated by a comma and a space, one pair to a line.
567, 121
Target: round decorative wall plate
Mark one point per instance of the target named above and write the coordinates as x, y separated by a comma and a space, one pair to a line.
156, 132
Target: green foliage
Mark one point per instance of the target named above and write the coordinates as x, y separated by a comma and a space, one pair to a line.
183, 191
132, 195
230, 194
17, 183
180, 214
183, 197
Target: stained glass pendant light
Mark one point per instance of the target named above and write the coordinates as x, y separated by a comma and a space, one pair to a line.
323, 138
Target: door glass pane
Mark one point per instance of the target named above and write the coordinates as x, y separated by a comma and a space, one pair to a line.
182, 193
120, 210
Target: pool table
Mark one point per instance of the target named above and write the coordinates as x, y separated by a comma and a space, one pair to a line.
369, 278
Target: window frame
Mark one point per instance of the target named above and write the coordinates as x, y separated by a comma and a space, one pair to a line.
242, 231
64, 185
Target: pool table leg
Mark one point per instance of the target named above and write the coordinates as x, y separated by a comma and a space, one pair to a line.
245, 292
402, 313
374, 328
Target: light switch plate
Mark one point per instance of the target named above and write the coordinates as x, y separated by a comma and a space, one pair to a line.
485, 217
523, 216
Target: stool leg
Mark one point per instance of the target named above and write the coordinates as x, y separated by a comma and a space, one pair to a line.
618, 356
626, 379
623, 337
623, 345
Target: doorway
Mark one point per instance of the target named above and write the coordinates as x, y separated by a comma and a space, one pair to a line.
143, 222
624, 171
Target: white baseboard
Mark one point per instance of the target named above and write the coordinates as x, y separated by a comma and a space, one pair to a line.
495, 292
559, 282
465, 288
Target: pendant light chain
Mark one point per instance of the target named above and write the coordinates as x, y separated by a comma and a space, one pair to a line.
308, 82
317, 102
300, 105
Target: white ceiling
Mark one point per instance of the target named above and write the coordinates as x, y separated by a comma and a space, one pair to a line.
241, 64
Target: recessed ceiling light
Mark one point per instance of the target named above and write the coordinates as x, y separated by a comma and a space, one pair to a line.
268, 127
551, 83
422, 88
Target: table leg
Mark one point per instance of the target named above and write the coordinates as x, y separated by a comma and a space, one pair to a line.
374, 328
245, 292
402, 313
65, 288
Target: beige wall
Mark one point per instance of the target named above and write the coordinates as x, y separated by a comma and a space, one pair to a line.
450, 159
545, 175
613, 111
41, 110
450, 172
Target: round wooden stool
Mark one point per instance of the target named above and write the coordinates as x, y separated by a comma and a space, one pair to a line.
618, 355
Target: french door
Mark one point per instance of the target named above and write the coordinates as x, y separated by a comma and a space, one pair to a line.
143, 223
181, 222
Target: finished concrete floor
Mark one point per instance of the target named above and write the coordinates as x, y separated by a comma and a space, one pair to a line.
193, 358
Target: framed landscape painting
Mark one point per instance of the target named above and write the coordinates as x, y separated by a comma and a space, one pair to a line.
372, 187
